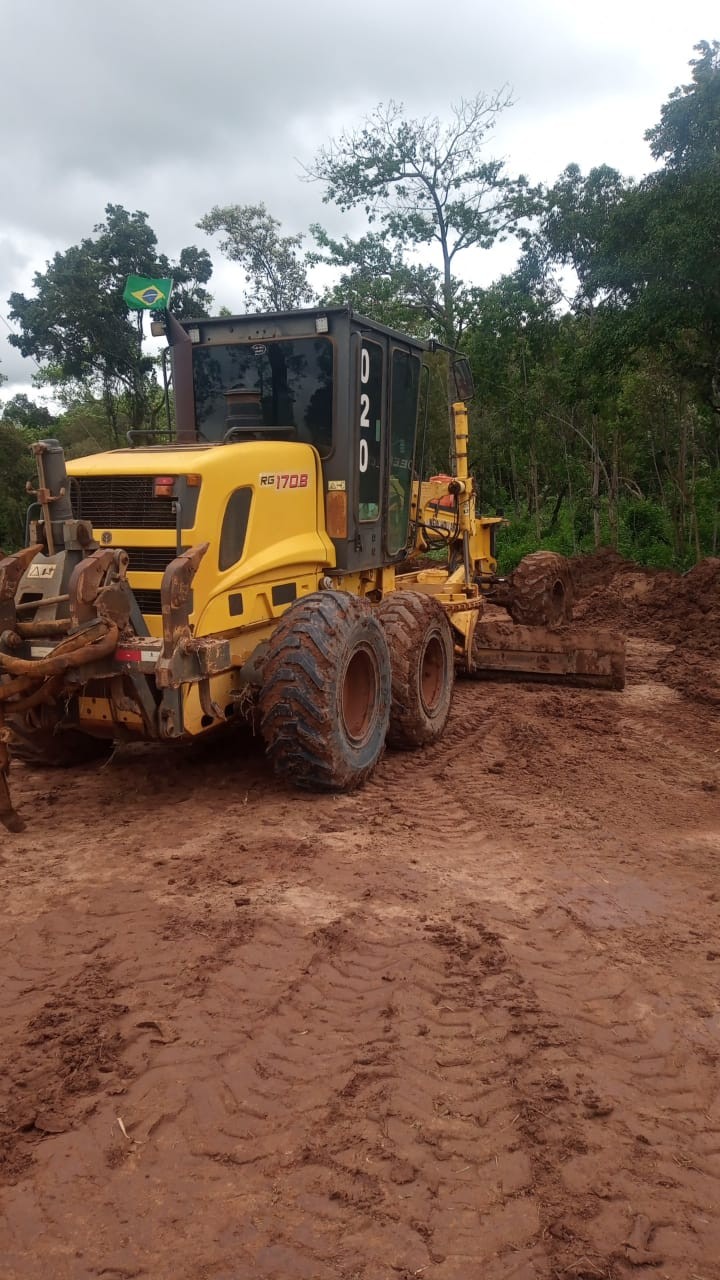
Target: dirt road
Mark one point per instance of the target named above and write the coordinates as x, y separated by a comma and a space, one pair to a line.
463, 1025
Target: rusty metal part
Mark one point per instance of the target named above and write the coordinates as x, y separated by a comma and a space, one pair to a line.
113, 604
499, 592
12, 569
584, 657
47, 691
207, 702
105, 566
17, 694
75, 651
176, 597
9, 817
145, 702
44, 495
14, 687
461, 606
35, 630
210, 654
193, 660
185, 658
170, 714
58, 529
29, 605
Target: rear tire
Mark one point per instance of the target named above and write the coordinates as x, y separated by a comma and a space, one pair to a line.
325, 699
423, 668
541, 591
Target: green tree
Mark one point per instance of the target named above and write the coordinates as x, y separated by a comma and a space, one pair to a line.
274, 265
16, 468
21, 411
574, 217
428, 187
377, 281
78, 326
658, 254
687, 135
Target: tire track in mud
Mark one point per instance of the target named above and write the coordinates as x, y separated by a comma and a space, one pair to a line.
335, 1101
67, 1044
457, 1025
351, 1117
610, 998
383, 1129
630, 1183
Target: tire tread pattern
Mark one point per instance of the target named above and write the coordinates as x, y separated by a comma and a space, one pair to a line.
531, 591
407, 617
299, 696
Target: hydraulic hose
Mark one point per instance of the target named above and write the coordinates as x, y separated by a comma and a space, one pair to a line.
56, 665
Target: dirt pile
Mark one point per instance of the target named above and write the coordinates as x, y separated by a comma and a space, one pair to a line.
682, 610
690, 619
597, 569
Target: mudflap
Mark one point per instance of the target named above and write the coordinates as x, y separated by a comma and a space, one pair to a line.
586, 657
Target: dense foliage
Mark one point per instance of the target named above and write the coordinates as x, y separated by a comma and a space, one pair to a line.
597, 361
79, 327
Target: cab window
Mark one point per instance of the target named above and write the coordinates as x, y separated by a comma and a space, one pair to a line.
404, 387
289, 383
234, 528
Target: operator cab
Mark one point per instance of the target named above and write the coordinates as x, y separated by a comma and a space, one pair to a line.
329, 378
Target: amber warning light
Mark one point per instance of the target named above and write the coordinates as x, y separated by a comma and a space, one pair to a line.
163, 486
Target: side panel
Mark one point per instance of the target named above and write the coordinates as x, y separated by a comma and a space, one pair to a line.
283, 551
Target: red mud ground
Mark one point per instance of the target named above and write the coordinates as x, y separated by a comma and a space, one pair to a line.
464, 1025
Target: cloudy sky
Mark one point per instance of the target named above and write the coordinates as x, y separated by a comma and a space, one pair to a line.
174, 107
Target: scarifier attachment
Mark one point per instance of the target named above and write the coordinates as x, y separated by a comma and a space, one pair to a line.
584, 657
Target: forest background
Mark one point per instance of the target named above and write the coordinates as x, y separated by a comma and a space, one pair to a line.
596, 360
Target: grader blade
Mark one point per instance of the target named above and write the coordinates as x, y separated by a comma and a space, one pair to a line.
581, 656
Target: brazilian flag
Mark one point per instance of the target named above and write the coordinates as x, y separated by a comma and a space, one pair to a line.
147, 295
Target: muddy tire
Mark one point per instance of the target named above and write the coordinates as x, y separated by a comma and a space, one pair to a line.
422, 656
325, 698
541, 591
39, 745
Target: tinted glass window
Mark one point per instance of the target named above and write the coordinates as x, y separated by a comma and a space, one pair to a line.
403, 419
370, 430
292, 382
234, 528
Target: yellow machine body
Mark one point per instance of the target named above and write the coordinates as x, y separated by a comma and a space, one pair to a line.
152, 589
284, 544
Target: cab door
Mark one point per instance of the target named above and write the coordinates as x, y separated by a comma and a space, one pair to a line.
370, 438
405, 367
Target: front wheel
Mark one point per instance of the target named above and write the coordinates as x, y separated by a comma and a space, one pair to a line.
325, 698
541, 591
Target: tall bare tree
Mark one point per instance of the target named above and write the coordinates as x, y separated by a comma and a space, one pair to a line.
427, 184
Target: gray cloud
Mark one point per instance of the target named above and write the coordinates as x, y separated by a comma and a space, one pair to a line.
172, 108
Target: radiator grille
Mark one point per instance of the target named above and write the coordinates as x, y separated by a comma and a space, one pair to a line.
150, 559
122, 502
148, 600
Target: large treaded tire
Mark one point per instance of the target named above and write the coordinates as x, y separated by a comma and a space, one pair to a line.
541, 591
325, 698
422, 655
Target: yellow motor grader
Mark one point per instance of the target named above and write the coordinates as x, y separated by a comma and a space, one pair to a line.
257, 566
